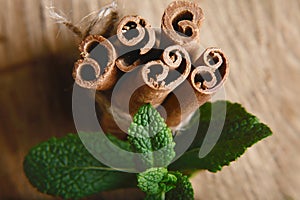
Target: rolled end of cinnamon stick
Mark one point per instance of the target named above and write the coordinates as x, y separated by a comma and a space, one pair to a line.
137, 38
160, 77
97, 69
170, 72
181, 23
87, 73
212, 72
133, 30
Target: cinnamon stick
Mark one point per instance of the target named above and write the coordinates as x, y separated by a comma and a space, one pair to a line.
107, 119
180, 25
152, 82
206, 78
136, 38
97, 69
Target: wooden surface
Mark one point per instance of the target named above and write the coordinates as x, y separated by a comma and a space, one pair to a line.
261, 39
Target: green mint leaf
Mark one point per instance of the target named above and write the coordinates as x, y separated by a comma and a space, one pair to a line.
159, 184
156, 181
241, 130
183, 189
63, 167
151, 138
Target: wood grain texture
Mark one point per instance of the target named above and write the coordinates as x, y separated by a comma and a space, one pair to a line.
259, 37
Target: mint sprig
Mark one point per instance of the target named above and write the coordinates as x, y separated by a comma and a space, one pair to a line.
63, 167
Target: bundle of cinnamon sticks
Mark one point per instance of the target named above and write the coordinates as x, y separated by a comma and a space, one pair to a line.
140, 65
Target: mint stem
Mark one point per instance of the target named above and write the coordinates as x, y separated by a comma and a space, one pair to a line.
163, 196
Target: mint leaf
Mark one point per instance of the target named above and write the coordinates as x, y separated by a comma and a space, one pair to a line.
159, 184
156, 181
183, 189
241, 130
151, 138
63, 167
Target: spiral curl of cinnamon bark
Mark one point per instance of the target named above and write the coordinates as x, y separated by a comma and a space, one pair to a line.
133, 30
95, 71
137, 38
181, 24
175, 67
212, 72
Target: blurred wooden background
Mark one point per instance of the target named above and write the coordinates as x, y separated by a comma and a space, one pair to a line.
261, 39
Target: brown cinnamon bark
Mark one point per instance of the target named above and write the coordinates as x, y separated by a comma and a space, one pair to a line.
210, 74
106, 117
97, 69
180, 24
135, 39
155, 80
